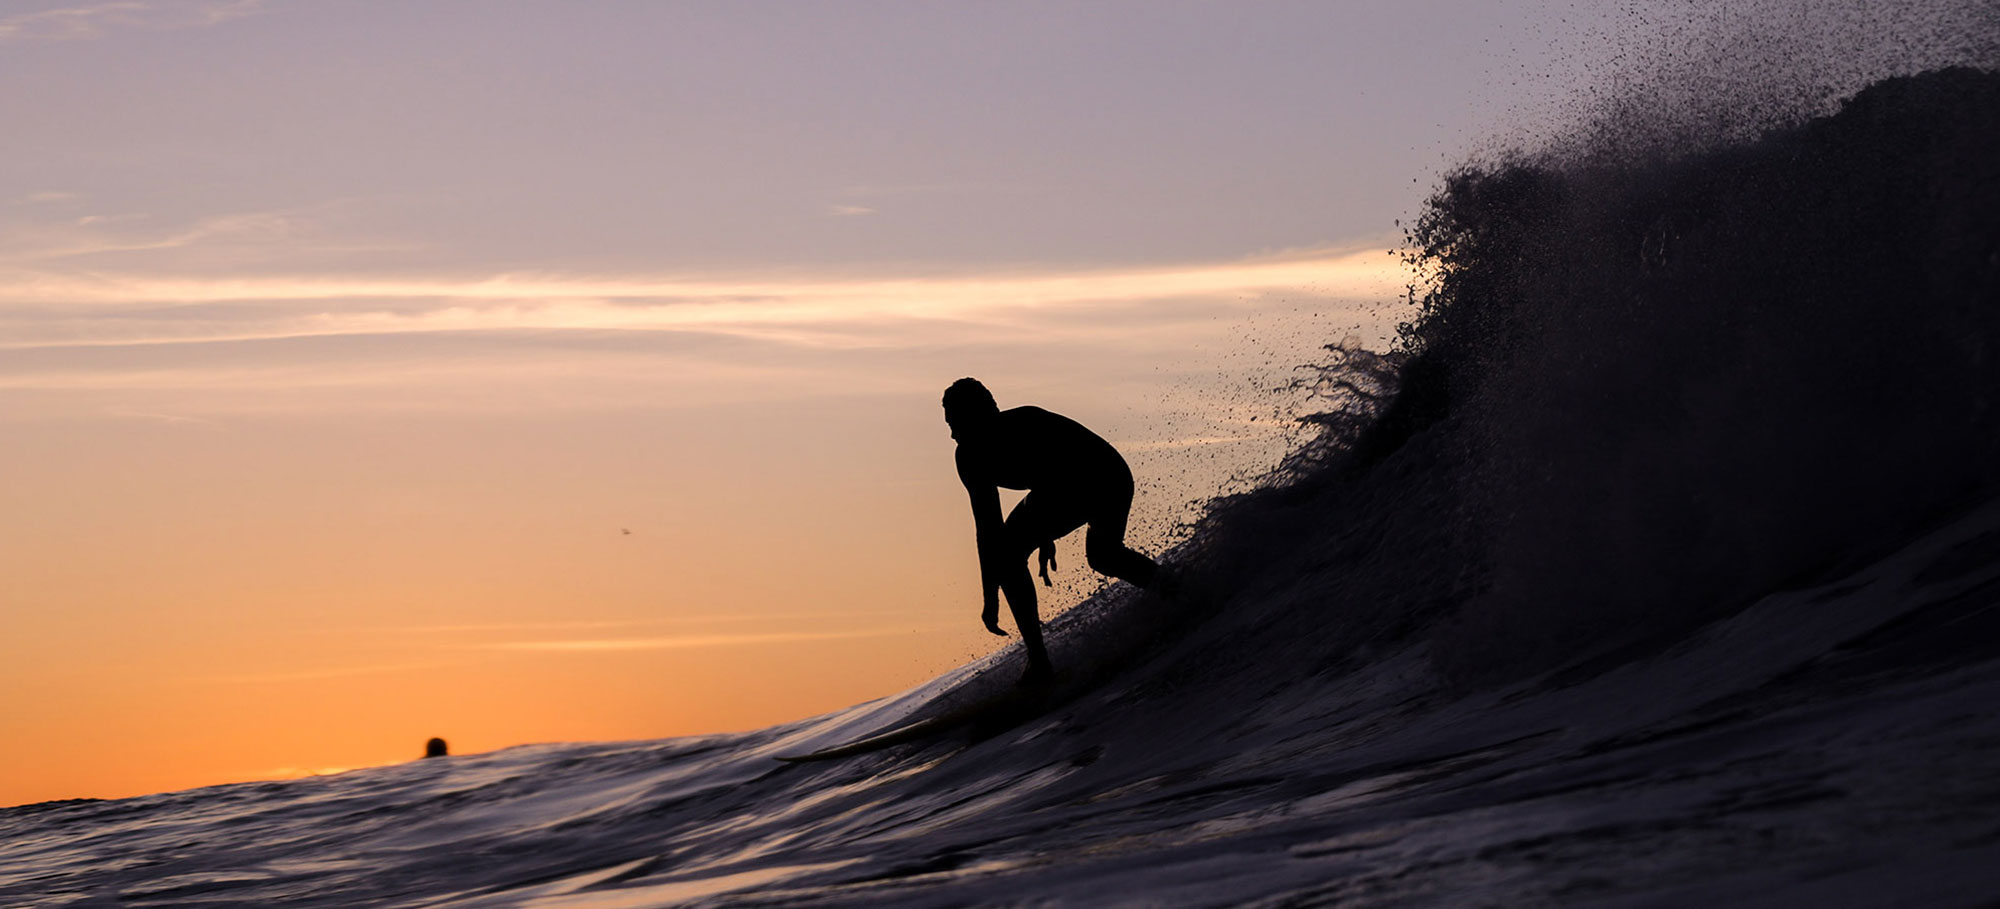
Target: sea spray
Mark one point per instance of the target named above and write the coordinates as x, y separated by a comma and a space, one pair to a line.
1637, 395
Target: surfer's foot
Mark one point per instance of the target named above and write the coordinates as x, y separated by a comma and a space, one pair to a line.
1038, 674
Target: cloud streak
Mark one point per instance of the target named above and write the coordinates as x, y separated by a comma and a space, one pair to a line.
75, 23
314, 675
682, 642
679, 619
70, 310
24, 250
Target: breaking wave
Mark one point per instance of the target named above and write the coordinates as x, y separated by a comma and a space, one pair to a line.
1640, 394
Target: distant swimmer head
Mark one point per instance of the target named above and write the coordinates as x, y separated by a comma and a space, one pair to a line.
967, 404
435, 748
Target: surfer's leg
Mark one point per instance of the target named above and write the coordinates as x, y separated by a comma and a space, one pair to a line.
1105, 545
1019, 588
1036, 520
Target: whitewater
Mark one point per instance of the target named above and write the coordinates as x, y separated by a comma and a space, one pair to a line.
1658, 566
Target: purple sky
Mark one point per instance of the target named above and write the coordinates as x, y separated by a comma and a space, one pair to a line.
595, 137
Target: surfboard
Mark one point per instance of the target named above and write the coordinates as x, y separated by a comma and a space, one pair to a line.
1089, 644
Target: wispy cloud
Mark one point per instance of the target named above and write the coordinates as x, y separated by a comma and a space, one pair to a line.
683, 619
875, 190
92, 220
502, 626
68, 23
680, 642
846, 211
330, 672
73, 309
74, 23
163, 418
116, 232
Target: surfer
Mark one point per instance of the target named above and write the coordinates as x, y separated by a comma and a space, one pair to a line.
1073, 478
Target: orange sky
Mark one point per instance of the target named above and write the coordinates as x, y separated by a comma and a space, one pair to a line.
282, 551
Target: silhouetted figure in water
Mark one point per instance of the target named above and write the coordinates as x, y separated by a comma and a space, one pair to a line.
1074, 478
435, 748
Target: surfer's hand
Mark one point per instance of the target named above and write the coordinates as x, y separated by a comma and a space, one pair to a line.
991, 616
1048, 560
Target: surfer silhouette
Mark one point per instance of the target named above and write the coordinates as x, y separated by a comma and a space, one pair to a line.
1073, 478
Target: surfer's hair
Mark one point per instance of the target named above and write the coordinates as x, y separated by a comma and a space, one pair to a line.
968, 396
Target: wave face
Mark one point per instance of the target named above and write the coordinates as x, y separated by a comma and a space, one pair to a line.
1681, 383
1659, 566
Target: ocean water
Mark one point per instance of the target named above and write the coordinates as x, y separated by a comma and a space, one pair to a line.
1832, 745
1660, 566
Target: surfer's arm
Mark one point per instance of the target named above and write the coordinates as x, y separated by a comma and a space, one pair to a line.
988, 530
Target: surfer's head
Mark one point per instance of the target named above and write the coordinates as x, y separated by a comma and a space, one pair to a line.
967, 404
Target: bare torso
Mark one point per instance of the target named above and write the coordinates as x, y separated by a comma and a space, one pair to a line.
1031, 448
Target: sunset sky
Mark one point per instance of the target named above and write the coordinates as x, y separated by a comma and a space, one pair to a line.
530, 371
